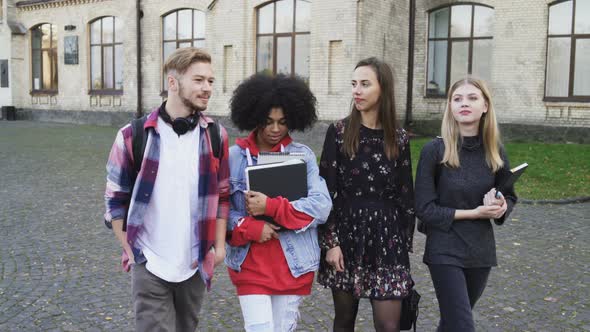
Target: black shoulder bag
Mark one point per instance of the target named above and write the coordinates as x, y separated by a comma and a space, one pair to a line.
410, 311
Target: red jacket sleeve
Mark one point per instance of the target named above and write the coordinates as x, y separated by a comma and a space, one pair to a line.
284, 214
249, 230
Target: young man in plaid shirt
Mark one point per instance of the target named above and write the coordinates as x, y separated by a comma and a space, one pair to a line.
176, 207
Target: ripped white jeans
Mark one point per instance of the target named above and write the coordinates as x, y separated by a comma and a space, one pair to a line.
270, 313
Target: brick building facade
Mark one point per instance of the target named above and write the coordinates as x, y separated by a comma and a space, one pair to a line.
77, 60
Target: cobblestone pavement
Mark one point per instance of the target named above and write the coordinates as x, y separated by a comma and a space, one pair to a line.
59, 265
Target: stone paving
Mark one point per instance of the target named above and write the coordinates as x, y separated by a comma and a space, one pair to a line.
60, 271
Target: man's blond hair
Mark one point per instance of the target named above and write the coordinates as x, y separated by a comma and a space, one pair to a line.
181, 59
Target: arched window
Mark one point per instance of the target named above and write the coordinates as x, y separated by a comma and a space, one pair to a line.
106, 55
44, 58
568, 51
182, 28
282, 37
459, 44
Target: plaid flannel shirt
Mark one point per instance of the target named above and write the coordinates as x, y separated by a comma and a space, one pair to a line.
212, 196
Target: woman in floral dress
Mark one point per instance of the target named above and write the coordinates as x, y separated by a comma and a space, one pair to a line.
366, 240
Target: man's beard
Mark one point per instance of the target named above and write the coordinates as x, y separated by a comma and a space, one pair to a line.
194, 108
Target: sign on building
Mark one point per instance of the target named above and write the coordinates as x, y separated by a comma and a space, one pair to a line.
71, 50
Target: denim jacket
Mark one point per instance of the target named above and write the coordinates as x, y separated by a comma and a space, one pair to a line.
300, 246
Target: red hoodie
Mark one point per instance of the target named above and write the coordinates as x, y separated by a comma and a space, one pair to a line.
265, 270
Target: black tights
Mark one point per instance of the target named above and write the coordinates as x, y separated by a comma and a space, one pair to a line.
386, 313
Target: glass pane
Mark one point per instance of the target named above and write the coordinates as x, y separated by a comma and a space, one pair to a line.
53, 36
437, 68
119, 67
459, 60
483, 22
107, 53
46, 70
302, 56
118, 31
185, 24
185, 44
45, 40
170, 26
266, 19
169, 47
107, 30
36, 70
53, 68
481, 65
439, 23
284, 16
461, 21
95, 69
582, 17
199, 43
95, 32
199, 23
560, 18
558, 67
264, 56
302, 17
37, 34
284, 55
582, 68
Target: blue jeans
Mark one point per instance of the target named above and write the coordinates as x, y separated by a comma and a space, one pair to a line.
457, 291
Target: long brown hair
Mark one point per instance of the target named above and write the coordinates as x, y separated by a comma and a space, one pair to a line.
386, 115
488, 129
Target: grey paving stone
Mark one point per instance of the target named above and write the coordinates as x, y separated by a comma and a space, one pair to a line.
59, 266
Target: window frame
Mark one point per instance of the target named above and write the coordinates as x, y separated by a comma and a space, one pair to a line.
52, 51
572, 66
163, 41
113, 44
293, 34
450, 40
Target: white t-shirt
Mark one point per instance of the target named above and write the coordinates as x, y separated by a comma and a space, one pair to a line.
168, 235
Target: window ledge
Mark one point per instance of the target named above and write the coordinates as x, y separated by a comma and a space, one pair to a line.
43, 92
568, 104
105, 92
569, 101
435, 97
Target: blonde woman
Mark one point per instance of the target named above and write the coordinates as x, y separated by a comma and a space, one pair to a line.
455, 199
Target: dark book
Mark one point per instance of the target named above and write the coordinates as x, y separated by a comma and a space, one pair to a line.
508, 182
286, 179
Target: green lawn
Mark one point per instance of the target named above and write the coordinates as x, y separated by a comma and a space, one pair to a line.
555, 171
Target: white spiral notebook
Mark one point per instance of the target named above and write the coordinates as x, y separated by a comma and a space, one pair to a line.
278, 157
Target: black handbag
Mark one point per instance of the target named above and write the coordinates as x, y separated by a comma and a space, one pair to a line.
410, 311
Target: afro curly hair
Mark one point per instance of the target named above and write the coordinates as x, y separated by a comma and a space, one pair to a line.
253, 99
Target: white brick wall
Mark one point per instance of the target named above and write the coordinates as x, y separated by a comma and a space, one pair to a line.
518, 68
5, 54
363, 28
73, 81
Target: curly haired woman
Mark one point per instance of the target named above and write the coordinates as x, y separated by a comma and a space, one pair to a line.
273, 270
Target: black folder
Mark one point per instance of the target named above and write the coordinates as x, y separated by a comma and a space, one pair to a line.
287, 179
508, 182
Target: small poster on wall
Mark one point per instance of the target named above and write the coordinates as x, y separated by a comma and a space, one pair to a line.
71, 50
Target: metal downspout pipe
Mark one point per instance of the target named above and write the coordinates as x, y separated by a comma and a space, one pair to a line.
410, 83
138, 15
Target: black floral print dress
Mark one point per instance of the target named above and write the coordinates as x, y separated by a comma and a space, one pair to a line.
372, 219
